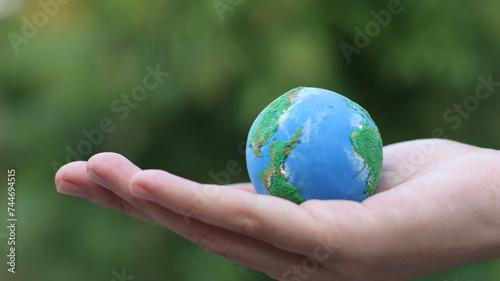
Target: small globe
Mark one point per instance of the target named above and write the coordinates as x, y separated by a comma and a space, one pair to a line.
312, 143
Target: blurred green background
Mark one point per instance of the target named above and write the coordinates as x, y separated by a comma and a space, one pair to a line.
67, 65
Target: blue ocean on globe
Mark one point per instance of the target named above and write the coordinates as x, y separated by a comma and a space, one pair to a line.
312, 143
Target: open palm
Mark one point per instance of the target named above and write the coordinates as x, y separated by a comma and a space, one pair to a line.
437, 206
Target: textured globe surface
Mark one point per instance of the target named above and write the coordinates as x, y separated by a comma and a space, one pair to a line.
312, 143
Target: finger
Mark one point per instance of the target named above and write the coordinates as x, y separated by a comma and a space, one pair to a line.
71, 179
239, 248
113, 171
70, 173
273, 220
110, 170
248, 187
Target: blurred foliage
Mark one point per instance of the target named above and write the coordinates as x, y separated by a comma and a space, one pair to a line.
224, 68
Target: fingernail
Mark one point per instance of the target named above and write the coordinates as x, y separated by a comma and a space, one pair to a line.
70, 188
93, 176
142, 192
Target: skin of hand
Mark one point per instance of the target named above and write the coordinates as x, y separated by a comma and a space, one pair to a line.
437, 206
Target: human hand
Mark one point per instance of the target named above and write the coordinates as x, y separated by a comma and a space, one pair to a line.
437, 206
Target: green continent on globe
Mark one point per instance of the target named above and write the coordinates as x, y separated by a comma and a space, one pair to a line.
268, 123
356, 107
274, 176
366, 143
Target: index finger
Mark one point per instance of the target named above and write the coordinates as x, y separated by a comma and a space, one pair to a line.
273, 220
